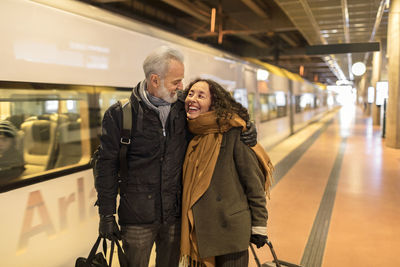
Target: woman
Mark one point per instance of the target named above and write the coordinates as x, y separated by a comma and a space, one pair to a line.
224, 181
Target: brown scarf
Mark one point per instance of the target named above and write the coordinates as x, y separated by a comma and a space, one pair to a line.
198, 168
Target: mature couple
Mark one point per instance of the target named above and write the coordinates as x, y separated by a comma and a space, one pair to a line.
194, 186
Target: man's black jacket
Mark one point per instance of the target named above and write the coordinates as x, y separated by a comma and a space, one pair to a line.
152, 191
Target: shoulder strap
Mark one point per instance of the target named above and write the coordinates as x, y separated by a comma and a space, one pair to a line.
125, 136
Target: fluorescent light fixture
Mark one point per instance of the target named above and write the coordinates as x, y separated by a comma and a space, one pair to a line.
262, 75
358, 68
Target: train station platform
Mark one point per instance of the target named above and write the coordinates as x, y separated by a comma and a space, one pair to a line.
334, 201
335, 198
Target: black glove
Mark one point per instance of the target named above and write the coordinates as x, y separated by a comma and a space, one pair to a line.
259, 240
108, 227
249, 137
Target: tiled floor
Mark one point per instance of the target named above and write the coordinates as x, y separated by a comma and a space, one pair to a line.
355, 178
361, 214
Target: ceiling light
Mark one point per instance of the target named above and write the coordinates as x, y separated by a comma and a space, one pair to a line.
358, 68
262, 75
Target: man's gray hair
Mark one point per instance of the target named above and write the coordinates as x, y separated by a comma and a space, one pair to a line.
157, 61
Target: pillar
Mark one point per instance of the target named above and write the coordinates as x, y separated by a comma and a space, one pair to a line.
393, 107
362, 94
376, 75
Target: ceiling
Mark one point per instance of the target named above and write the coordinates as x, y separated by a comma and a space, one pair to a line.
273, 31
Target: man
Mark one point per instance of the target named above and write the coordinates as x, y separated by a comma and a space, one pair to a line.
150, 197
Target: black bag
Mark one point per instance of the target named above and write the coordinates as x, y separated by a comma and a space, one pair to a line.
98, 259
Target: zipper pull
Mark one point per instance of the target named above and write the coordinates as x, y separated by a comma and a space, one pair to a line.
163, 131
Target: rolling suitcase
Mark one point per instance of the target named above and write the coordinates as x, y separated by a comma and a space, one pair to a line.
275, 262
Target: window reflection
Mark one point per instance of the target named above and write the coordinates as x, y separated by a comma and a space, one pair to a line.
54, 127
49, 131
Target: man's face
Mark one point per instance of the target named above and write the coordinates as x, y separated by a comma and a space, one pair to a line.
172, 82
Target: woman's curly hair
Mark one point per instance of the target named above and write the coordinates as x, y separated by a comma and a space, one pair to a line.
221, 101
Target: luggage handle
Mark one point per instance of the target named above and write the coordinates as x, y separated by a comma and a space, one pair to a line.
273, 253
271, 248
255, 256
121, 255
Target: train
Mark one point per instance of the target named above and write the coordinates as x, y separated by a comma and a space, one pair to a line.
63, 63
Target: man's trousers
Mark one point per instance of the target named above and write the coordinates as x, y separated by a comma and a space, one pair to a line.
138, 240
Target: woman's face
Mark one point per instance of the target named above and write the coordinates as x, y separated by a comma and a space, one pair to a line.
198, 100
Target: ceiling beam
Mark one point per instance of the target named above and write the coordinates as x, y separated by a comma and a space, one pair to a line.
228, 32
297, 62
378, 20
255, 52
194, 12
252, 40
244, 35
107, 1
256, 9
319, 70
289, 40
249, 51
342, 48
346, 26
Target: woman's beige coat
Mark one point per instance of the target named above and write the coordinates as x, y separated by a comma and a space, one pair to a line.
234, 202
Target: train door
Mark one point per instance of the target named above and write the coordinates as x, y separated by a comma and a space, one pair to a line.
250, 84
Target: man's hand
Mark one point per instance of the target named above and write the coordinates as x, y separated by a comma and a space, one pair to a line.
108, 227
259, 240
249, 137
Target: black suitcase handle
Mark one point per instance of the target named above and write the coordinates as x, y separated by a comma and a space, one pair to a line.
276, 261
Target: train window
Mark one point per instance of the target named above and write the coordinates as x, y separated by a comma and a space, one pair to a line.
240, 95
250, 101
307, 101
108, 98
281, 104
273, 108
316, 102
298, 108
46, 129
264, 107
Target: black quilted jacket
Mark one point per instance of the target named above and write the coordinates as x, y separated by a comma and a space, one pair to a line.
152, 191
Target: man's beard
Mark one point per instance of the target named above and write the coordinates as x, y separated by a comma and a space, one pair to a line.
166, 95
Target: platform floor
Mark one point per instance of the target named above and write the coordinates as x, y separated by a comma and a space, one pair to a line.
336, 197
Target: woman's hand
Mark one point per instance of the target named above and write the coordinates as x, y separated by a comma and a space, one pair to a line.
259, 240
249, 137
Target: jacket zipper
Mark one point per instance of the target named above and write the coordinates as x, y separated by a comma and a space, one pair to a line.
161, 170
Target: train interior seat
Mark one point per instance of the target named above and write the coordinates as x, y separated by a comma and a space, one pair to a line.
69, 149
39, 136
17, 120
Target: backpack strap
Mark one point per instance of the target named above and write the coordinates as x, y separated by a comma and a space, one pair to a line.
125, 136
138, 108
